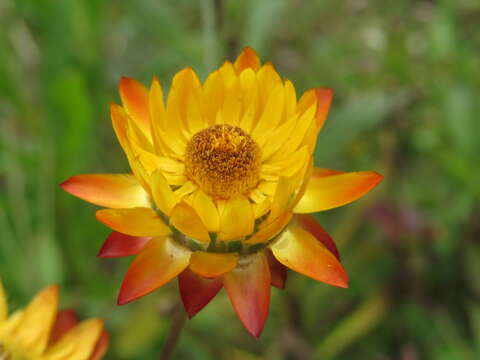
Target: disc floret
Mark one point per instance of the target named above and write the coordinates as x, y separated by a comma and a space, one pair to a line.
223, 160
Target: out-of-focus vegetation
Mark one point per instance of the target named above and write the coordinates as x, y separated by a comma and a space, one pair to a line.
407, 81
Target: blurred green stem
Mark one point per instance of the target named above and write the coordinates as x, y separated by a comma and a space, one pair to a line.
176, 327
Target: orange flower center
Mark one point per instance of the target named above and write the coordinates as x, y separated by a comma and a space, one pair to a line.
223, 160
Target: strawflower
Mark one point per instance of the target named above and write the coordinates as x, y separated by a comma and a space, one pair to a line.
219, 173
41, 332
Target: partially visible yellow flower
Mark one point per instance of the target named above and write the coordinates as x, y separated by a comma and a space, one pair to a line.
221, 173
40, 332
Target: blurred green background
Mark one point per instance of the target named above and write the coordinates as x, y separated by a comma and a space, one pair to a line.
407, 80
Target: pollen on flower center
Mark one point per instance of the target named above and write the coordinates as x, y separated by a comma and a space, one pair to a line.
223, 160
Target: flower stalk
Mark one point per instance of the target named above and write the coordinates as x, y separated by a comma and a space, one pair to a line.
177, 324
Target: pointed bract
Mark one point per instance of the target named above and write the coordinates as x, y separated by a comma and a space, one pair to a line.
309, 223
324, 100
300, 251
278, 272
159, 262
327, 190
101, 347
109, 190
247, 59
134, 97
197, 291
66, 320
248, 287
135, 222
119, 245
212, 265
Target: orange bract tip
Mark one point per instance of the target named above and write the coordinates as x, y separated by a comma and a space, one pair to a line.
247, 59
329, 189
134, 97
109, 190
324, 100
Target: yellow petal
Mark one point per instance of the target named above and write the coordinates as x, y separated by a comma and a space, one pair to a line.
152, 162
248, 81
211, 265
213, 92
184, 84
136, 136
270, 230
248, 120
232, 107
281, 135
282, 198
308, 99
328, 189
158, 118
237, 219
300, 251
196, 121
9, 326
164, 197
3, 303
228, 74
34, 329
267, 79
186, 220
205, 207
78, 343
290, 98
257, 196
175, 179
288, 166
186, 189
120, 124
271, 116
300, 130
134, 221
268, 187
261, 208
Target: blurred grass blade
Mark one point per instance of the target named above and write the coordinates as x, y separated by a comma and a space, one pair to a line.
353, 327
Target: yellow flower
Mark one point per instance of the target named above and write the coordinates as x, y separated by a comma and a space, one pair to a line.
39, 332
218, 173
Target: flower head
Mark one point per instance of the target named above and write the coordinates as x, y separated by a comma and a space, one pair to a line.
40, 332
219, 171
